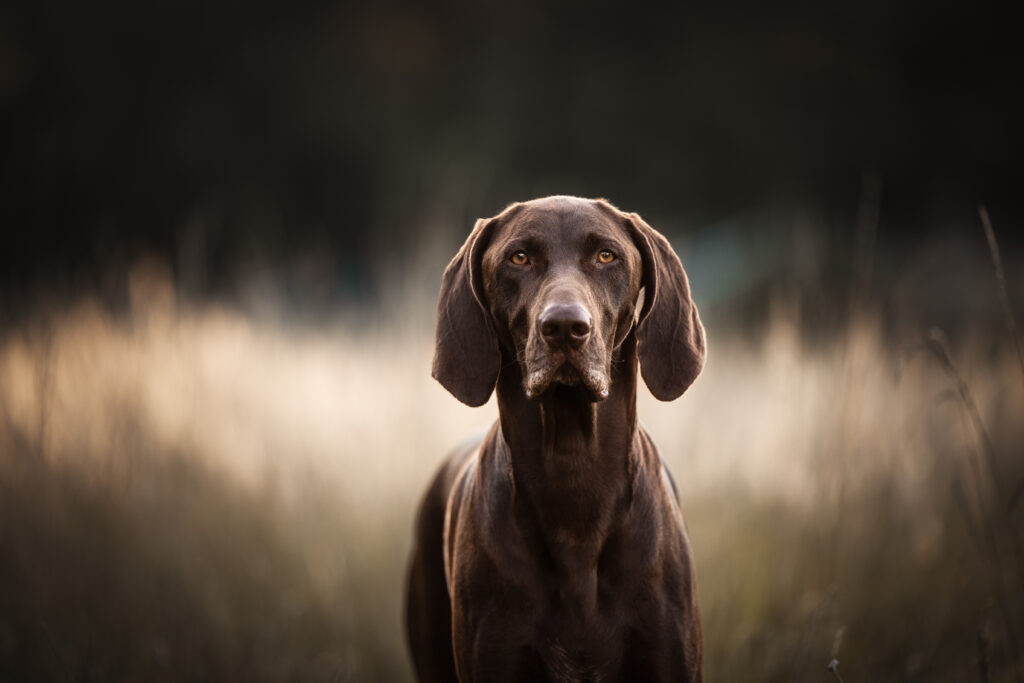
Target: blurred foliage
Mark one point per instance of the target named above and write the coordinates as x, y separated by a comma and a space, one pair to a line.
191, 493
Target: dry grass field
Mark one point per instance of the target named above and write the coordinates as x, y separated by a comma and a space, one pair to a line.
188, 492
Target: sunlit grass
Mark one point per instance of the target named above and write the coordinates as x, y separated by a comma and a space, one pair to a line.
190, 492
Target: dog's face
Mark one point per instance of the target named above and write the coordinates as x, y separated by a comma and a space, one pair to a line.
561, 279
556, 282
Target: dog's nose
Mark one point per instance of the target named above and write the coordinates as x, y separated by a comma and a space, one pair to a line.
565, 325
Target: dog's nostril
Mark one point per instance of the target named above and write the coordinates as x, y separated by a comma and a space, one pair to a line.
549, 328
580, 329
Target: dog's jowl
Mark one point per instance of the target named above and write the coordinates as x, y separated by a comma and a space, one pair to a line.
555, 549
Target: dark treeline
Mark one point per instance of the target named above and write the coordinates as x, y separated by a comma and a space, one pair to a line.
226, 134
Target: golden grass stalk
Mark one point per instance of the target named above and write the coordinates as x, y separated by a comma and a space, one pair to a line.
1004, 297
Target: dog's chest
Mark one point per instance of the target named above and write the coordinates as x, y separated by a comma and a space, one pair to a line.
577, 665
579, 646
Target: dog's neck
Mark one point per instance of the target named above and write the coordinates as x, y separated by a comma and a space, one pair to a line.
571, 458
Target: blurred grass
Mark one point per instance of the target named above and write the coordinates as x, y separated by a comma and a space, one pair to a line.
190, 493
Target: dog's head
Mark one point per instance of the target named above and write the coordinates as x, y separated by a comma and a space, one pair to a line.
560, 283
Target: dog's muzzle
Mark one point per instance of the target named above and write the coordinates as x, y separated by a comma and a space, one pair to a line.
566, 352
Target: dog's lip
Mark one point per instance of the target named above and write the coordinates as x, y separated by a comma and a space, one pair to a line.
596, 382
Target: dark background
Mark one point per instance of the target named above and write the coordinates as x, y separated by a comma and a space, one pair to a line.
316, 139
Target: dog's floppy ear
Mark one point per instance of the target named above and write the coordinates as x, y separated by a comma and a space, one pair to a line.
669, 330
466, 356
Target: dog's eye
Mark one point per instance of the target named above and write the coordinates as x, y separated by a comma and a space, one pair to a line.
519, 258
605, 256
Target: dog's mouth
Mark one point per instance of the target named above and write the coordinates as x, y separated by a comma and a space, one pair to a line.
568, 369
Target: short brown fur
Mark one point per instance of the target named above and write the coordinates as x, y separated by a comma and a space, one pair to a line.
555, 549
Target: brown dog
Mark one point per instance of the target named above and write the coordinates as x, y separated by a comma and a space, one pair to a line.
555, 549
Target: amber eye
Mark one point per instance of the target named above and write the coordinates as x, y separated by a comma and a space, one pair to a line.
519, 258
605, 256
